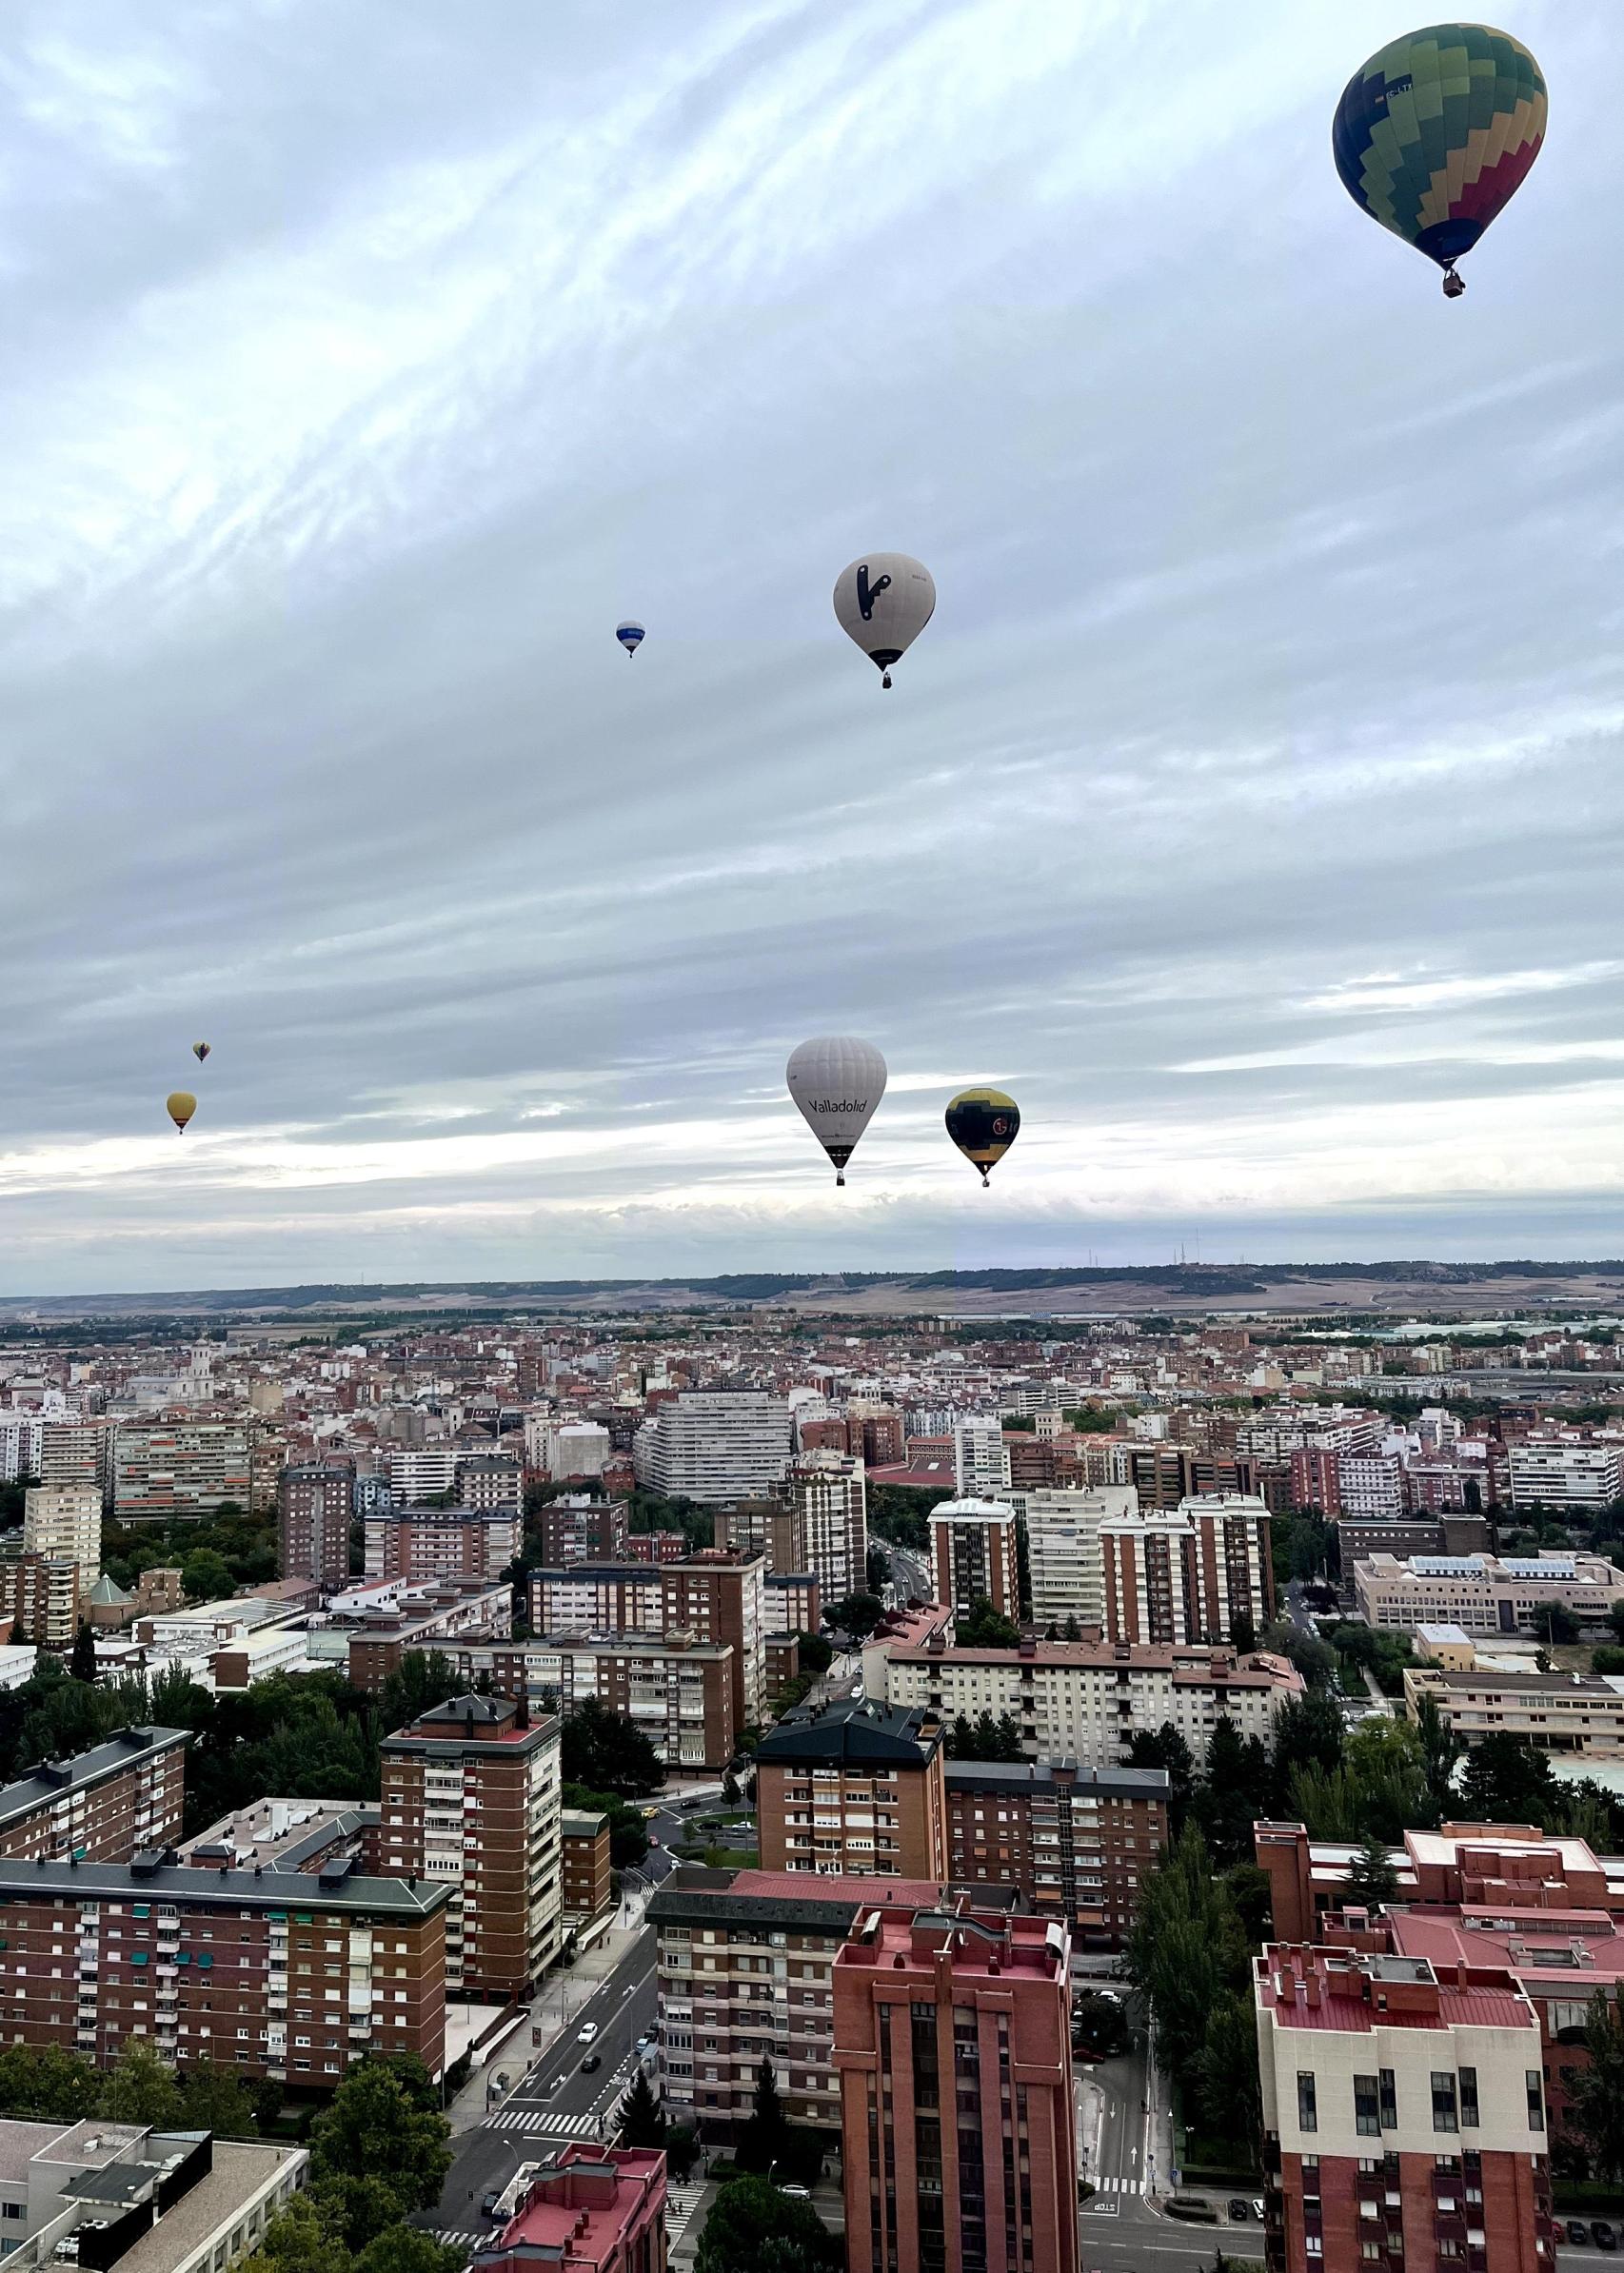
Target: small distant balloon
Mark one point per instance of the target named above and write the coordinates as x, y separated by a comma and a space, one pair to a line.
180, 1105
1435, 134
200, 1051
629, 636
838, 1082
984, 1123
883, 601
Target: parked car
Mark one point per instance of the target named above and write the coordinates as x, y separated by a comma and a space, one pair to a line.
1240, 2211
1579, 2232
1602, 2234
487, 2204
796, 2193
591, 2064
585, 2035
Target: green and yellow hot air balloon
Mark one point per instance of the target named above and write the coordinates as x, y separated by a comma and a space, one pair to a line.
984, 1123
1435, 134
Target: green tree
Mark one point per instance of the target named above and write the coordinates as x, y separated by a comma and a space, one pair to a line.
1615, 1616
1071, 1630
985, 1630
358, 2207
1237, 1788
1166, 1748
1226, 2070
82, 1662
1373, 1880
1184, 1949
814, 1654
682, 2151
876, 1570
1388, 1768
856, 1614
1508, 1780
608, 1753
628, 1827
375, 2127
300, 2240
1308, 1733
216, 2099
1244, 1632
1557, 1624
1440, 1751
643, 2118
752, 2225
1326, 1802
405, 2250
206, 1576
139, 2088
43, 2084
1595, 2092
764, 2138
423, 1679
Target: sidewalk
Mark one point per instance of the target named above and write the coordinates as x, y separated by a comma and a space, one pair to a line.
553, 2011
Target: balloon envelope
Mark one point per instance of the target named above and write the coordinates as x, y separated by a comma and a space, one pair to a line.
1437, 131
883, 601
984, 1123
180, 1105
838, 1082
629, 636
200, 1051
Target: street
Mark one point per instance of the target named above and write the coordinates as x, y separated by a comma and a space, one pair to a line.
553, 2102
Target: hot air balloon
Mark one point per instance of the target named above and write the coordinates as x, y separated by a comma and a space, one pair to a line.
883, 601
1435, 134
984, 1123
200, 1051
837, 1083
180, 1105
629, 636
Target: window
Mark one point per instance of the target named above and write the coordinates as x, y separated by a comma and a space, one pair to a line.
1535, 2102
1469, 2099
1445, 2115
1307, 2106
1367, 2117
1389, 2101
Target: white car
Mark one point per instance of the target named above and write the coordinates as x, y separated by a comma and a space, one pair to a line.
586, 2035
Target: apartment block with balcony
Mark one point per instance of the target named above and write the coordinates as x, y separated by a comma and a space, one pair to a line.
103, 1805
471, 1798
273, 1974
853, 1789
1404, 2115
315, 1507
45, 1597
442, 1543
1075, 1843
745, 1964
973, 1556
173, 1471
62, 1523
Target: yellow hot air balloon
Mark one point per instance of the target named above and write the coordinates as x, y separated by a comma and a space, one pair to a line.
984, 1123
180, 1105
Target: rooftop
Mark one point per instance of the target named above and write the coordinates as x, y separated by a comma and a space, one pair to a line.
991, 1775
249, 1890
850, 1731
981, 1942
580, 2205
240, 2170
55, 1779
692, 1894
1309, 1988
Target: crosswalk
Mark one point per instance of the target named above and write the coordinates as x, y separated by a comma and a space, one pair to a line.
454, 2239
537, 2121
681, 2203
1119, 2186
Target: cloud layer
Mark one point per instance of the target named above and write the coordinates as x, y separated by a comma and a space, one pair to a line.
1253, 806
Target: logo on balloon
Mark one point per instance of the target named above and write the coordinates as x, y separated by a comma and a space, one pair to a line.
867, 595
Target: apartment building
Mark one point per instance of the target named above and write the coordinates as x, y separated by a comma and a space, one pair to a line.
578, 1449
1371, 1489
441, 1543
715, 1445
583, 2210
1495, 1869
1429, 1533
1088, 1700
679, 1692
980, 1459
471, 1798
1403, 2112
853, 1790
76, 1452
1063, 1554
957, 2133
1486, 1593
315, 1507
62, 1523
575, 1528
1574, 1713
792, 1602
973, 1556
421, 1472
827, 1494
171, 1470
746, 1959
277, 1974
1557, 1471
44, 1599
491, 1484
716, 1594
1074, 1842
101, 1805
422, 1616
585, 1874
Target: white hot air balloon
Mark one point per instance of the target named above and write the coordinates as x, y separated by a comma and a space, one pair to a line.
837, 1083
883, 601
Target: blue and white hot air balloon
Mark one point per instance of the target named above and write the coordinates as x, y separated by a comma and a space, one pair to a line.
629, 636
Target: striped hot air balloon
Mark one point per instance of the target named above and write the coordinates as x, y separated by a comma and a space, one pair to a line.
1435, 134
629, 636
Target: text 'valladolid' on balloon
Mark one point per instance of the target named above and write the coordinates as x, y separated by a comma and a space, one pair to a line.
883, 601
838, 1082
1435, 134
984, 1123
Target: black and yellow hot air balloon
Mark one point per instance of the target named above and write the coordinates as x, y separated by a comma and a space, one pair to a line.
984, 1123
180, 1105
1436, 134
200, 1051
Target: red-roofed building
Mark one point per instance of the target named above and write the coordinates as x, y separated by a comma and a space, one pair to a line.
587, 2209
1500, 1865
1404, 2114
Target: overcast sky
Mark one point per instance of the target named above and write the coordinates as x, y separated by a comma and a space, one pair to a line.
1253, 808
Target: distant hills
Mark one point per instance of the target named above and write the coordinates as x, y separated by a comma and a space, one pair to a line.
1461, 1289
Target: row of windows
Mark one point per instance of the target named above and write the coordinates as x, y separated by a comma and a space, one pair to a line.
1455, 2105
